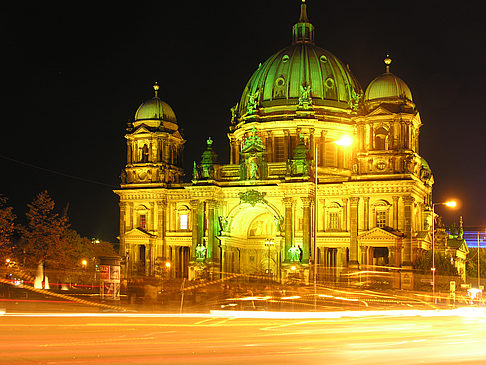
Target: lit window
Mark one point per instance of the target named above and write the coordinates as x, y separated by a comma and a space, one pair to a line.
143, 220
183, 221
334, 221
381, 218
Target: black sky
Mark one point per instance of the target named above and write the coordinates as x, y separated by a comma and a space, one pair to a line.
75, 73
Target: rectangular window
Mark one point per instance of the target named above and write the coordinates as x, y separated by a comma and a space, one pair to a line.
334, 221
143, 221
279, 149
381, 218
183, 221
331, 155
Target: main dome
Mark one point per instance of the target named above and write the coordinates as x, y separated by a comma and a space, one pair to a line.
301, 70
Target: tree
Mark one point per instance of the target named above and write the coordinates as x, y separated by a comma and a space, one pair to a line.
43, 235
443, 265
472, 263
7, 227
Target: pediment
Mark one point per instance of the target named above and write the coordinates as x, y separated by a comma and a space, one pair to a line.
378, 234
138, 233
381, 110
142, 129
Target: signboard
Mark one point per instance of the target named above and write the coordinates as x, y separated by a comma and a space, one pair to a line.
110, 277
115, 274
452, 286
104, 273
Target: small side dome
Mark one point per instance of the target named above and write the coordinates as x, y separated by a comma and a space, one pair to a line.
155, 109
387, 86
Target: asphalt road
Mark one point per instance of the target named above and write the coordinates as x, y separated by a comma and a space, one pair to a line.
416, 337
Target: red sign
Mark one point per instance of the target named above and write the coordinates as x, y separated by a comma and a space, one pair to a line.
104, 273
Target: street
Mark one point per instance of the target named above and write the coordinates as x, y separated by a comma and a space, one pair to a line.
400, 337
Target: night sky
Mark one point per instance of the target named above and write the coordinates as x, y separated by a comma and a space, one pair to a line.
76, 72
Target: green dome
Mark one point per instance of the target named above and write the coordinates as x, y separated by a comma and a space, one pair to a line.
301, 70
155, 109
387, 86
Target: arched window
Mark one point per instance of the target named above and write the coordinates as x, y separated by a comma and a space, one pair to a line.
381, 139
334, 217
183, 218
262, 226
142, 213
145, 153
381, 210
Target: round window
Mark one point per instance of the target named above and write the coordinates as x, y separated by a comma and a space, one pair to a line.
323, 59
280, 82
285, 58
329, 83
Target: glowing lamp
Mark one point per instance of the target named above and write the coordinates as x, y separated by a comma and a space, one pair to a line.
344, 141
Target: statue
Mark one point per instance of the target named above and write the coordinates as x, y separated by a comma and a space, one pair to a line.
200, 252
294, 253
223, 223
253, 172
234, 114
195, 173
354, 100
253, 142
253, 101
279, 223
305, 98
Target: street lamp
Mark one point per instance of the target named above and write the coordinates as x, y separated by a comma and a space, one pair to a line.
450, 204
269, 243
84, 263
344, 141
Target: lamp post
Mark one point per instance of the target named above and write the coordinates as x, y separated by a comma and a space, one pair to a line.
450, 204
344, 141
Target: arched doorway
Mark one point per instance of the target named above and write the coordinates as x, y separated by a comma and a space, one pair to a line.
252, 243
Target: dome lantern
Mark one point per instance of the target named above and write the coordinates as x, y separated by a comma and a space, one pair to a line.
303, 30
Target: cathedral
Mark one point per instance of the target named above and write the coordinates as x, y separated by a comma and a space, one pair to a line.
324, 178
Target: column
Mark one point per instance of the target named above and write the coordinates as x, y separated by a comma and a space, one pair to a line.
287, 151
395, 212
407, 230
288, 203
353, 234
366, 201
129, 152
306, 201
322, 148
269, 146
195, 226
323, 210
312, 145
211, 249
161, 226
123, 249
345, 214
130, 216
232, 150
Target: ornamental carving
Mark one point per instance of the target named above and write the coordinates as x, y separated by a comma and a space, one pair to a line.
252, 197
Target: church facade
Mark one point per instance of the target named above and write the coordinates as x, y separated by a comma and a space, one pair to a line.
294, 199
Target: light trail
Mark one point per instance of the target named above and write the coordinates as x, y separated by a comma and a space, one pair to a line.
456, 312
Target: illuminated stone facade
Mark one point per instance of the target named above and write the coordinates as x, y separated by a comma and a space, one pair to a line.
260, 214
